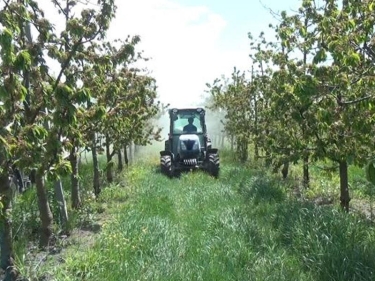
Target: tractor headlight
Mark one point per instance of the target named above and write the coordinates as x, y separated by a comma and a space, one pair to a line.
196, 146
183, 146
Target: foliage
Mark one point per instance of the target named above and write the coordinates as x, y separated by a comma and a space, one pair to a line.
229, 96
312, 89
45, 116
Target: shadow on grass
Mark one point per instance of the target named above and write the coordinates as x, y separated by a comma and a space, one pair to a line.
327, 243
156, 169
260, 189
331, 244
92, 227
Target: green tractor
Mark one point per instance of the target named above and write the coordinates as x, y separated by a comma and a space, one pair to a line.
188, 146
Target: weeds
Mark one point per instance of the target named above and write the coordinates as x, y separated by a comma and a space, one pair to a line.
241, 227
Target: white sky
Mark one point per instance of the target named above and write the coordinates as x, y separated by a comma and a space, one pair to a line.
184, 42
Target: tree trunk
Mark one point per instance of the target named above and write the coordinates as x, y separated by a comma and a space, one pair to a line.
130, 154
59, 194
126, 154
120, 165
231, 143
76, 198
285, 169
44, 209
245, 151
242, 150
109, 160
6, 242
95, 164
306, 175
344, 186
268, 161
19, 176
256, 148
256, 151
131, 151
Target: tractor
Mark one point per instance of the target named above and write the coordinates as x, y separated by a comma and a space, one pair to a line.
188, 146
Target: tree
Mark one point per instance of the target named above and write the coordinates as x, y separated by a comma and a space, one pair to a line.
48, 100
239, 114
46, 117
316, 99
340, 91
124, 101
15, 60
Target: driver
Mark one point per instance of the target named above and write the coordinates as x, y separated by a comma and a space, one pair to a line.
190, 128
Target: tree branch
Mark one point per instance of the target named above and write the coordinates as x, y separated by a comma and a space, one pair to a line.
60, 7
353, 101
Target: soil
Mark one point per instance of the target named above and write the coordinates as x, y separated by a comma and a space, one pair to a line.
80, 238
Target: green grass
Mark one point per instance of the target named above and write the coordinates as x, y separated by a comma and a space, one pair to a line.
26, 221
243, 226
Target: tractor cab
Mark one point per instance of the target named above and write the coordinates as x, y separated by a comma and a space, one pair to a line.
188, 134
188, 145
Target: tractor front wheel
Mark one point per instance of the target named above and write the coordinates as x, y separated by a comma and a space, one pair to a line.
213, 165
166, 165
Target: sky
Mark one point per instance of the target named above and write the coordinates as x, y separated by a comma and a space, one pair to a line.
192, 42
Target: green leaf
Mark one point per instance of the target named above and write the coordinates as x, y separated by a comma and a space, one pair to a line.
6, 38
351, 23
354, 59
39, 132
303, 32
320, 56
23, 92
23, 60
3, 141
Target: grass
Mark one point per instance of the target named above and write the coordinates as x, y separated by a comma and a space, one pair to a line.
243, 226
26, 221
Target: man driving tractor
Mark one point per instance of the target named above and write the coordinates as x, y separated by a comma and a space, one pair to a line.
190, 128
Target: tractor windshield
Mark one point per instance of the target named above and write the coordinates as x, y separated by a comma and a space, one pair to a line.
187, 122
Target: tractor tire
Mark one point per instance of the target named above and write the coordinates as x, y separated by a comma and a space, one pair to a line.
213, 165
166, 165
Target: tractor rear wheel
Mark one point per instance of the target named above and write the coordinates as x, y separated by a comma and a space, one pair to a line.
166, 165
213, 165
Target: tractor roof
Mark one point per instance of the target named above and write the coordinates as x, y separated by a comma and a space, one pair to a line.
199, 108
